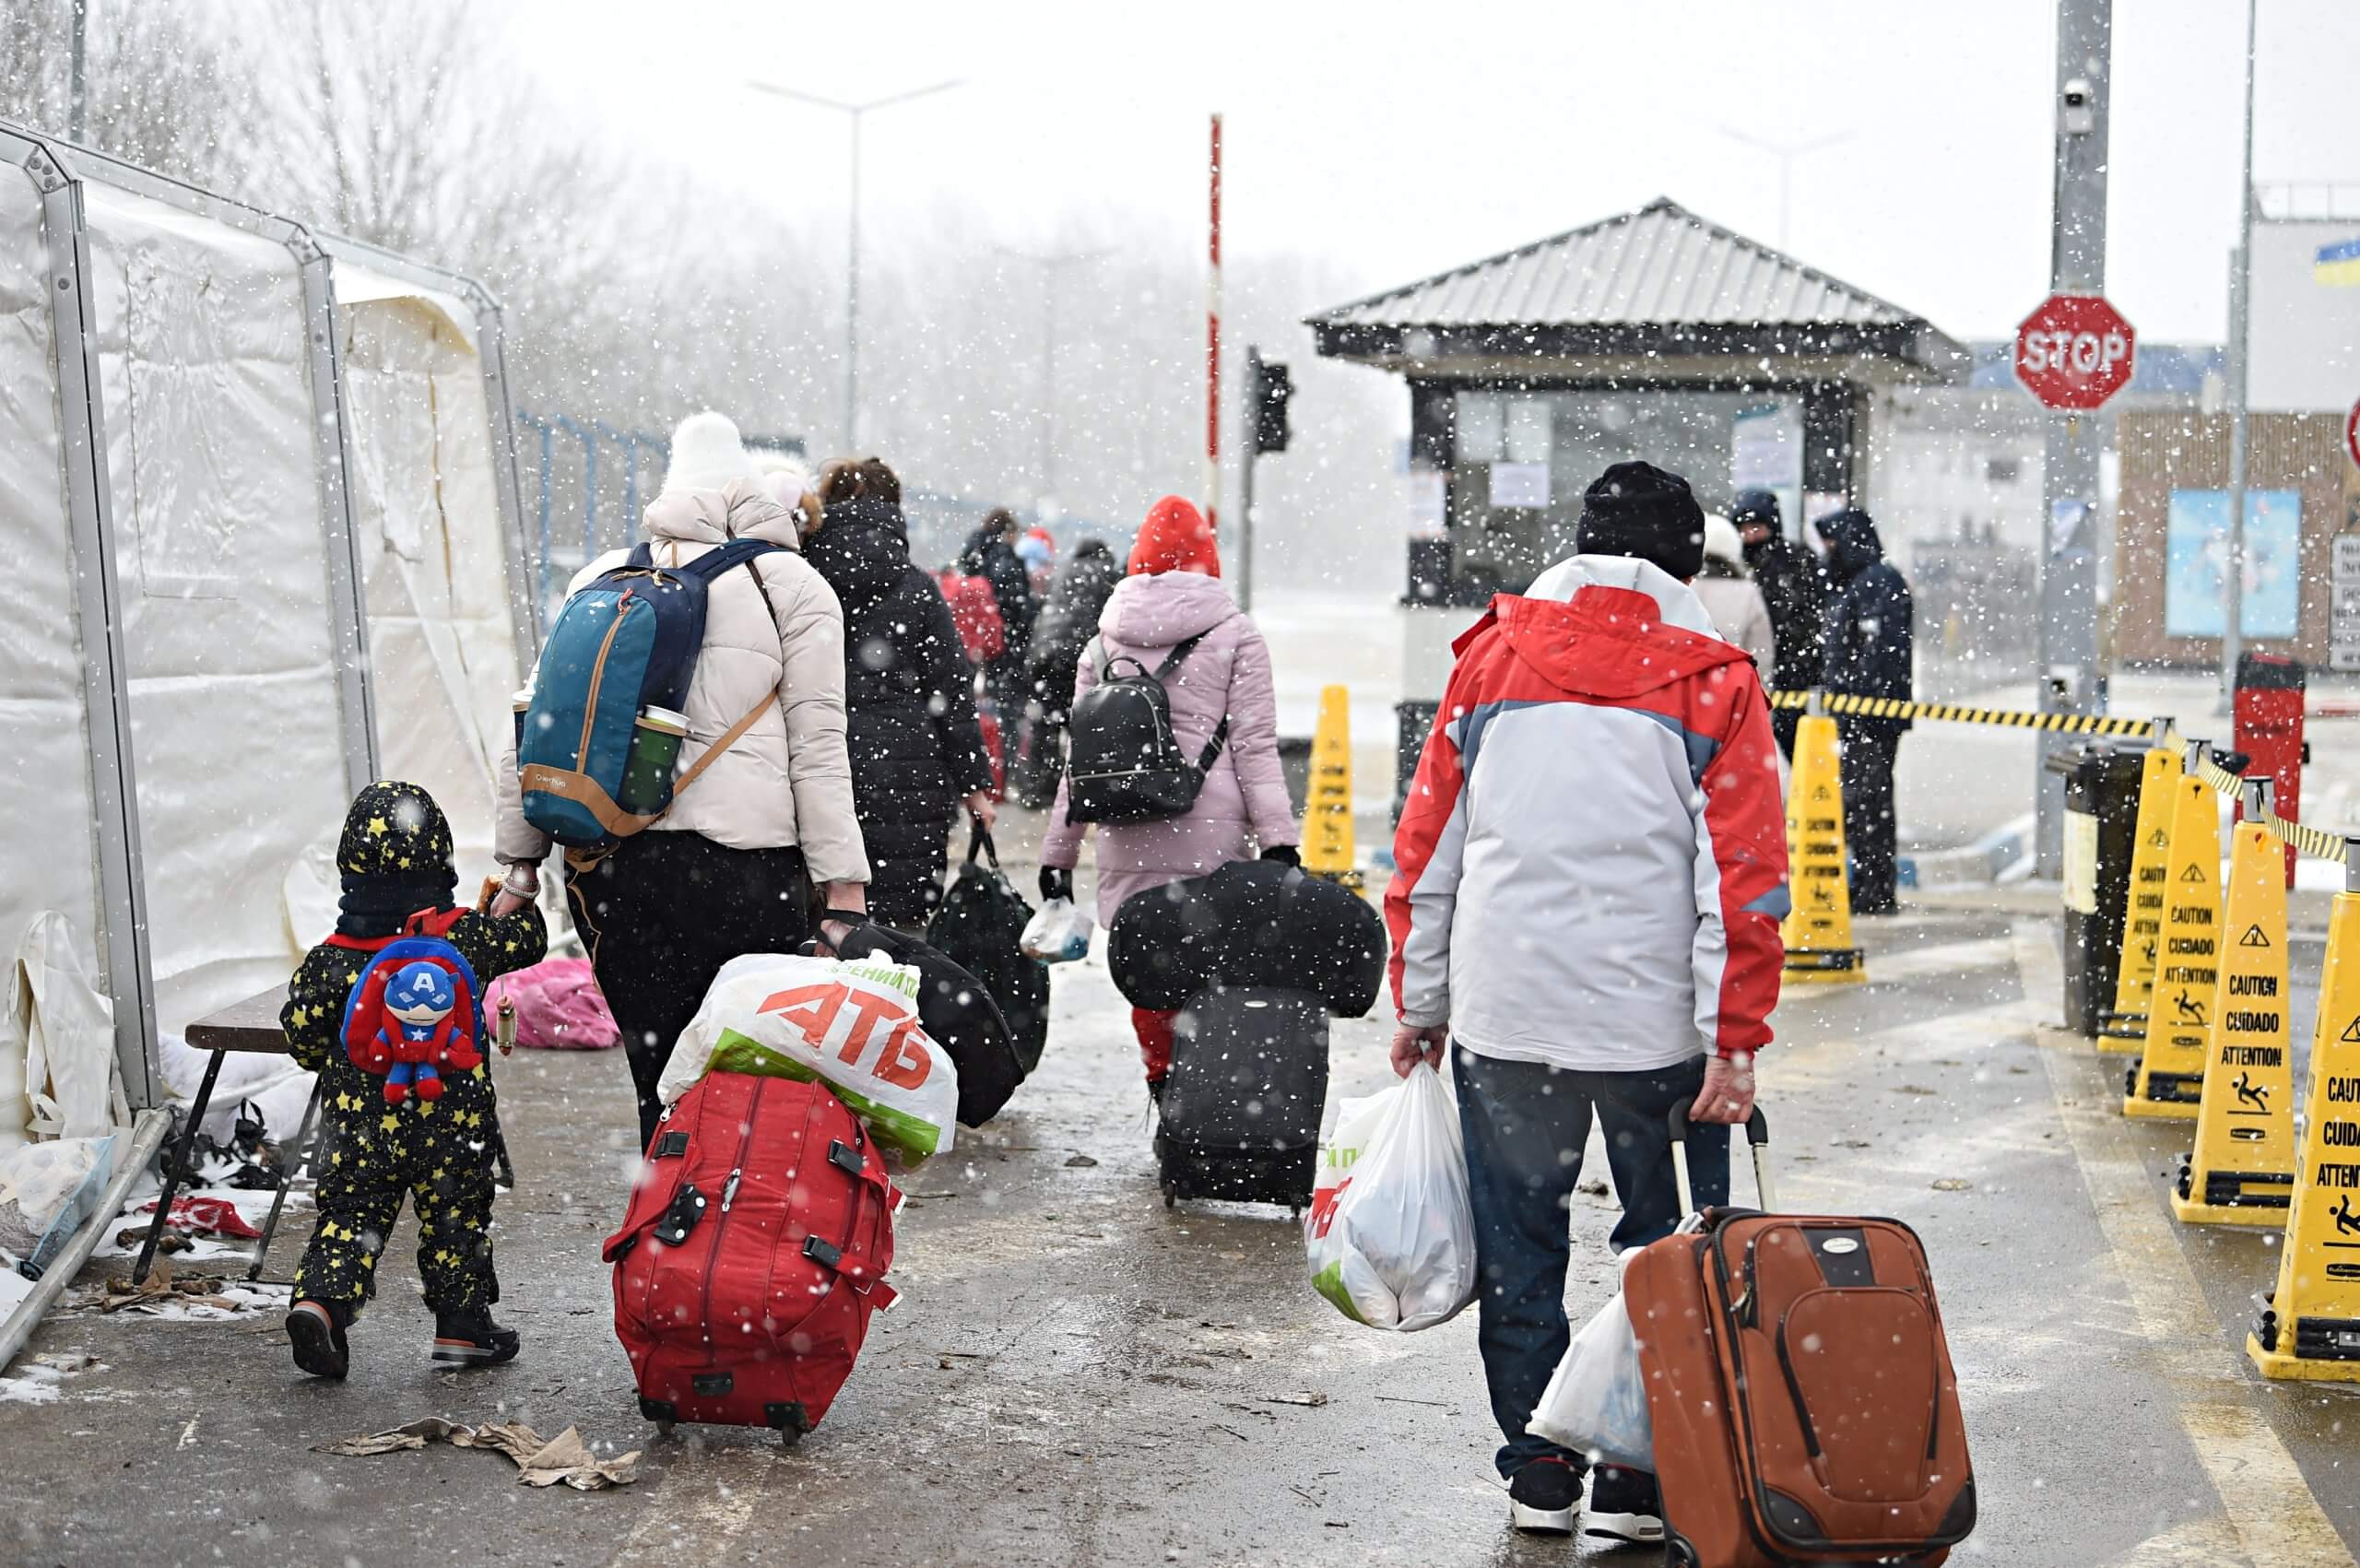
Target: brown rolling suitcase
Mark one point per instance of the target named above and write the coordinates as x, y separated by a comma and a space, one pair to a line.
1800, 1388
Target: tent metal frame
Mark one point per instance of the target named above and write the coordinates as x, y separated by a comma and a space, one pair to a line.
59, 171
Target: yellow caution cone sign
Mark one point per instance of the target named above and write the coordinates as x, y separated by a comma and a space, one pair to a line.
2310, 1329
1328, 848
1818, 929
2168, 1079
2123, 1027
2242, 1169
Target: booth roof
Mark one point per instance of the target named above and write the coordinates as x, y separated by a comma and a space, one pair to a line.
1658, 280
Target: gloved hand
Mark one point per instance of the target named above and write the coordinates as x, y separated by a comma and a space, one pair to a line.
1285, 853
1057, 882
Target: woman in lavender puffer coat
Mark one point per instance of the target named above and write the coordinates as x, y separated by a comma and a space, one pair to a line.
1173, 592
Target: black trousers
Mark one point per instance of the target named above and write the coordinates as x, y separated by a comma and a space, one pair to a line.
661, 915
1869, 752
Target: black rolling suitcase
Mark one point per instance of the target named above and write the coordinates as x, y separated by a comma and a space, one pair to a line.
1242, 1104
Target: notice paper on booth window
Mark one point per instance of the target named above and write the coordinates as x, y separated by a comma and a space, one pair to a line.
1519, 483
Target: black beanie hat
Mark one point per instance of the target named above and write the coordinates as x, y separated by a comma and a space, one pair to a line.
1756, 506
1639, 510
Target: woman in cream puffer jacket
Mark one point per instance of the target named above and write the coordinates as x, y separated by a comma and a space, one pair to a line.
727, 869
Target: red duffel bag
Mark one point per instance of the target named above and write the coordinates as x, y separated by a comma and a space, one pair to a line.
753, 1254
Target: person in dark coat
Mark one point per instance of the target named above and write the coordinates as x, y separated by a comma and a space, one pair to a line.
916, 750
1069, 620
1868, 654
1794, 586
990, 553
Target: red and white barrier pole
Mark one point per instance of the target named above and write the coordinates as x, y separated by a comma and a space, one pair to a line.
1213, 345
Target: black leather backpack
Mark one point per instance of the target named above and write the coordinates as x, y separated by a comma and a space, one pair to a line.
1125, 764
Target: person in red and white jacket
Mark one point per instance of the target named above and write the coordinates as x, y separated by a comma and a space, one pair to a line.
1591, 873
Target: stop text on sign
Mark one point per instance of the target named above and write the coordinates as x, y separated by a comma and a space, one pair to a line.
2084, 353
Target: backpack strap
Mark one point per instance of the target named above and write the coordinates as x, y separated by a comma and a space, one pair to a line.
725, 556
1180, 651
1212, 747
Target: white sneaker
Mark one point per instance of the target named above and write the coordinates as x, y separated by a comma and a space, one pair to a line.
1624, 1507
1543, 1498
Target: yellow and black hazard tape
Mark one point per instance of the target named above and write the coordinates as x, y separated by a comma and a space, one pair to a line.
2317, 842
1955, 712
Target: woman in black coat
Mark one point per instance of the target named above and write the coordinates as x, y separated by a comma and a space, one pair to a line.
916, 750
1053, 659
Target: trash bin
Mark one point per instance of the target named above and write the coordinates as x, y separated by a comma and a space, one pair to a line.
2101, 822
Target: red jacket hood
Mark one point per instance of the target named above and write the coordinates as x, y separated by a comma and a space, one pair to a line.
1605, 642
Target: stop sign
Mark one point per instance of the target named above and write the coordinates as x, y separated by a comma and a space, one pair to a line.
2075, 351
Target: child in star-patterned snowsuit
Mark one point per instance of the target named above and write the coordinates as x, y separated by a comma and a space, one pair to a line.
395, 862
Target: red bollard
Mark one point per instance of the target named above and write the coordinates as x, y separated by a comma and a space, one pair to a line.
2269, 716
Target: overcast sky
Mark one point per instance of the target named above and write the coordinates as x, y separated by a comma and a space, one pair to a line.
1400, 140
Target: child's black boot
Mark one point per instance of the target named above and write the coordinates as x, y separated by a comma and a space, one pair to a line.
316, 1332
471, 1338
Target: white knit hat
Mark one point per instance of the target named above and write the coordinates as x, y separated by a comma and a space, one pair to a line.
706, 455
1721, 539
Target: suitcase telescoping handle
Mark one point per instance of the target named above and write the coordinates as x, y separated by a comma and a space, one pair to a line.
1757, 1135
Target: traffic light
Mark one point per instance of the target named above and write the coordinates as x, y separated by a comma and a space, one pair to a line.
1271, 389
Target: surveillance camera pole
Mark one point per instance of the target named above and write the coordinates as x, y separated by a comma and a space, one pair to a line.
2233, 570
2069, 679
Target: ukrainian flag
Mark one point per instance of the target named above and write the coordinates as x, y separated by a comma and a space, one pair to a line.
2338, 264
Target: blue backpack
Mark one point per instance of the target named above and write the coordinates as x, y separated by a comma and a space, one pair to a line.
627, 641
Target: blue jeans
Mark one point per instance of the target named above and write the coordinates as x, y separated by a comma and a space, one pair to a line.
1525, 1126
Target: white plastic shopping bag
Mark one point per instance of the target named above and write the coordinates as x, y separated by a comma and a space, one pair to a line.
58, 1030
48, 1190
1596, 1403
1390, 1232
851, 1025
1059, 933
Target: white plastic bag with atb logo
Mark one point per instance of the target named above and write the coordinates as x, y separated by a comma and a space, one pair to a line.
1597, 1404
852, 1026
1391, 1233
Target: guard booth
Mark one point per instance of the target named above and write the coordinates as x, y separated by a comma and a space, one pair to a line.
1652, 335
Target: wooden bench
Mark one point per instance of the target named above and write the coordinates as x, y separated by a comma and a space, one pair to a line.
249, 1026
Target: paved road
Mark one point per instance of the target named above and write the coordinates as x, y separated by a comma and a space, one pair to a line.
1075, 1375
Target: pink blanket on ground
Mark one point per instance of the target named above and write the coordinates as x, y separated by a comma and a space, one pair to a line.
558, 1007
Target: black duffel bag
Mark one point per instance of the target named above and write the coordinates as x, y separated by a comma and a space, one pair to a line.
979, 927
1250, 923
957, 1011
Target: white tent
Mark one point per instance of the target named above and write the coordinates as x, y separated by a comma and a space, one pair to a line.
258, 492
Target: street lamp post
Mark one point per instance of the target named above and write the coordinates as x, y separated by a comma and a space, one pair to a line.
1785, 153
855, 114
1049, 262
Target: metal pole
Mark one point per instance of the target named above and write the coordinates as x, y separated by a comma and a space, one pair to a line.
2070, 679
1248, 456
2233, 570
851, 300
854, 112
1049, 264
1785, 153
1213, 345
1049, 379
78, 88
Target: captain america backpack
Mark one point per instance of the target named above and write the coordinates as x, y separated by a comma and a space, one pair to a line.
414, 1011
